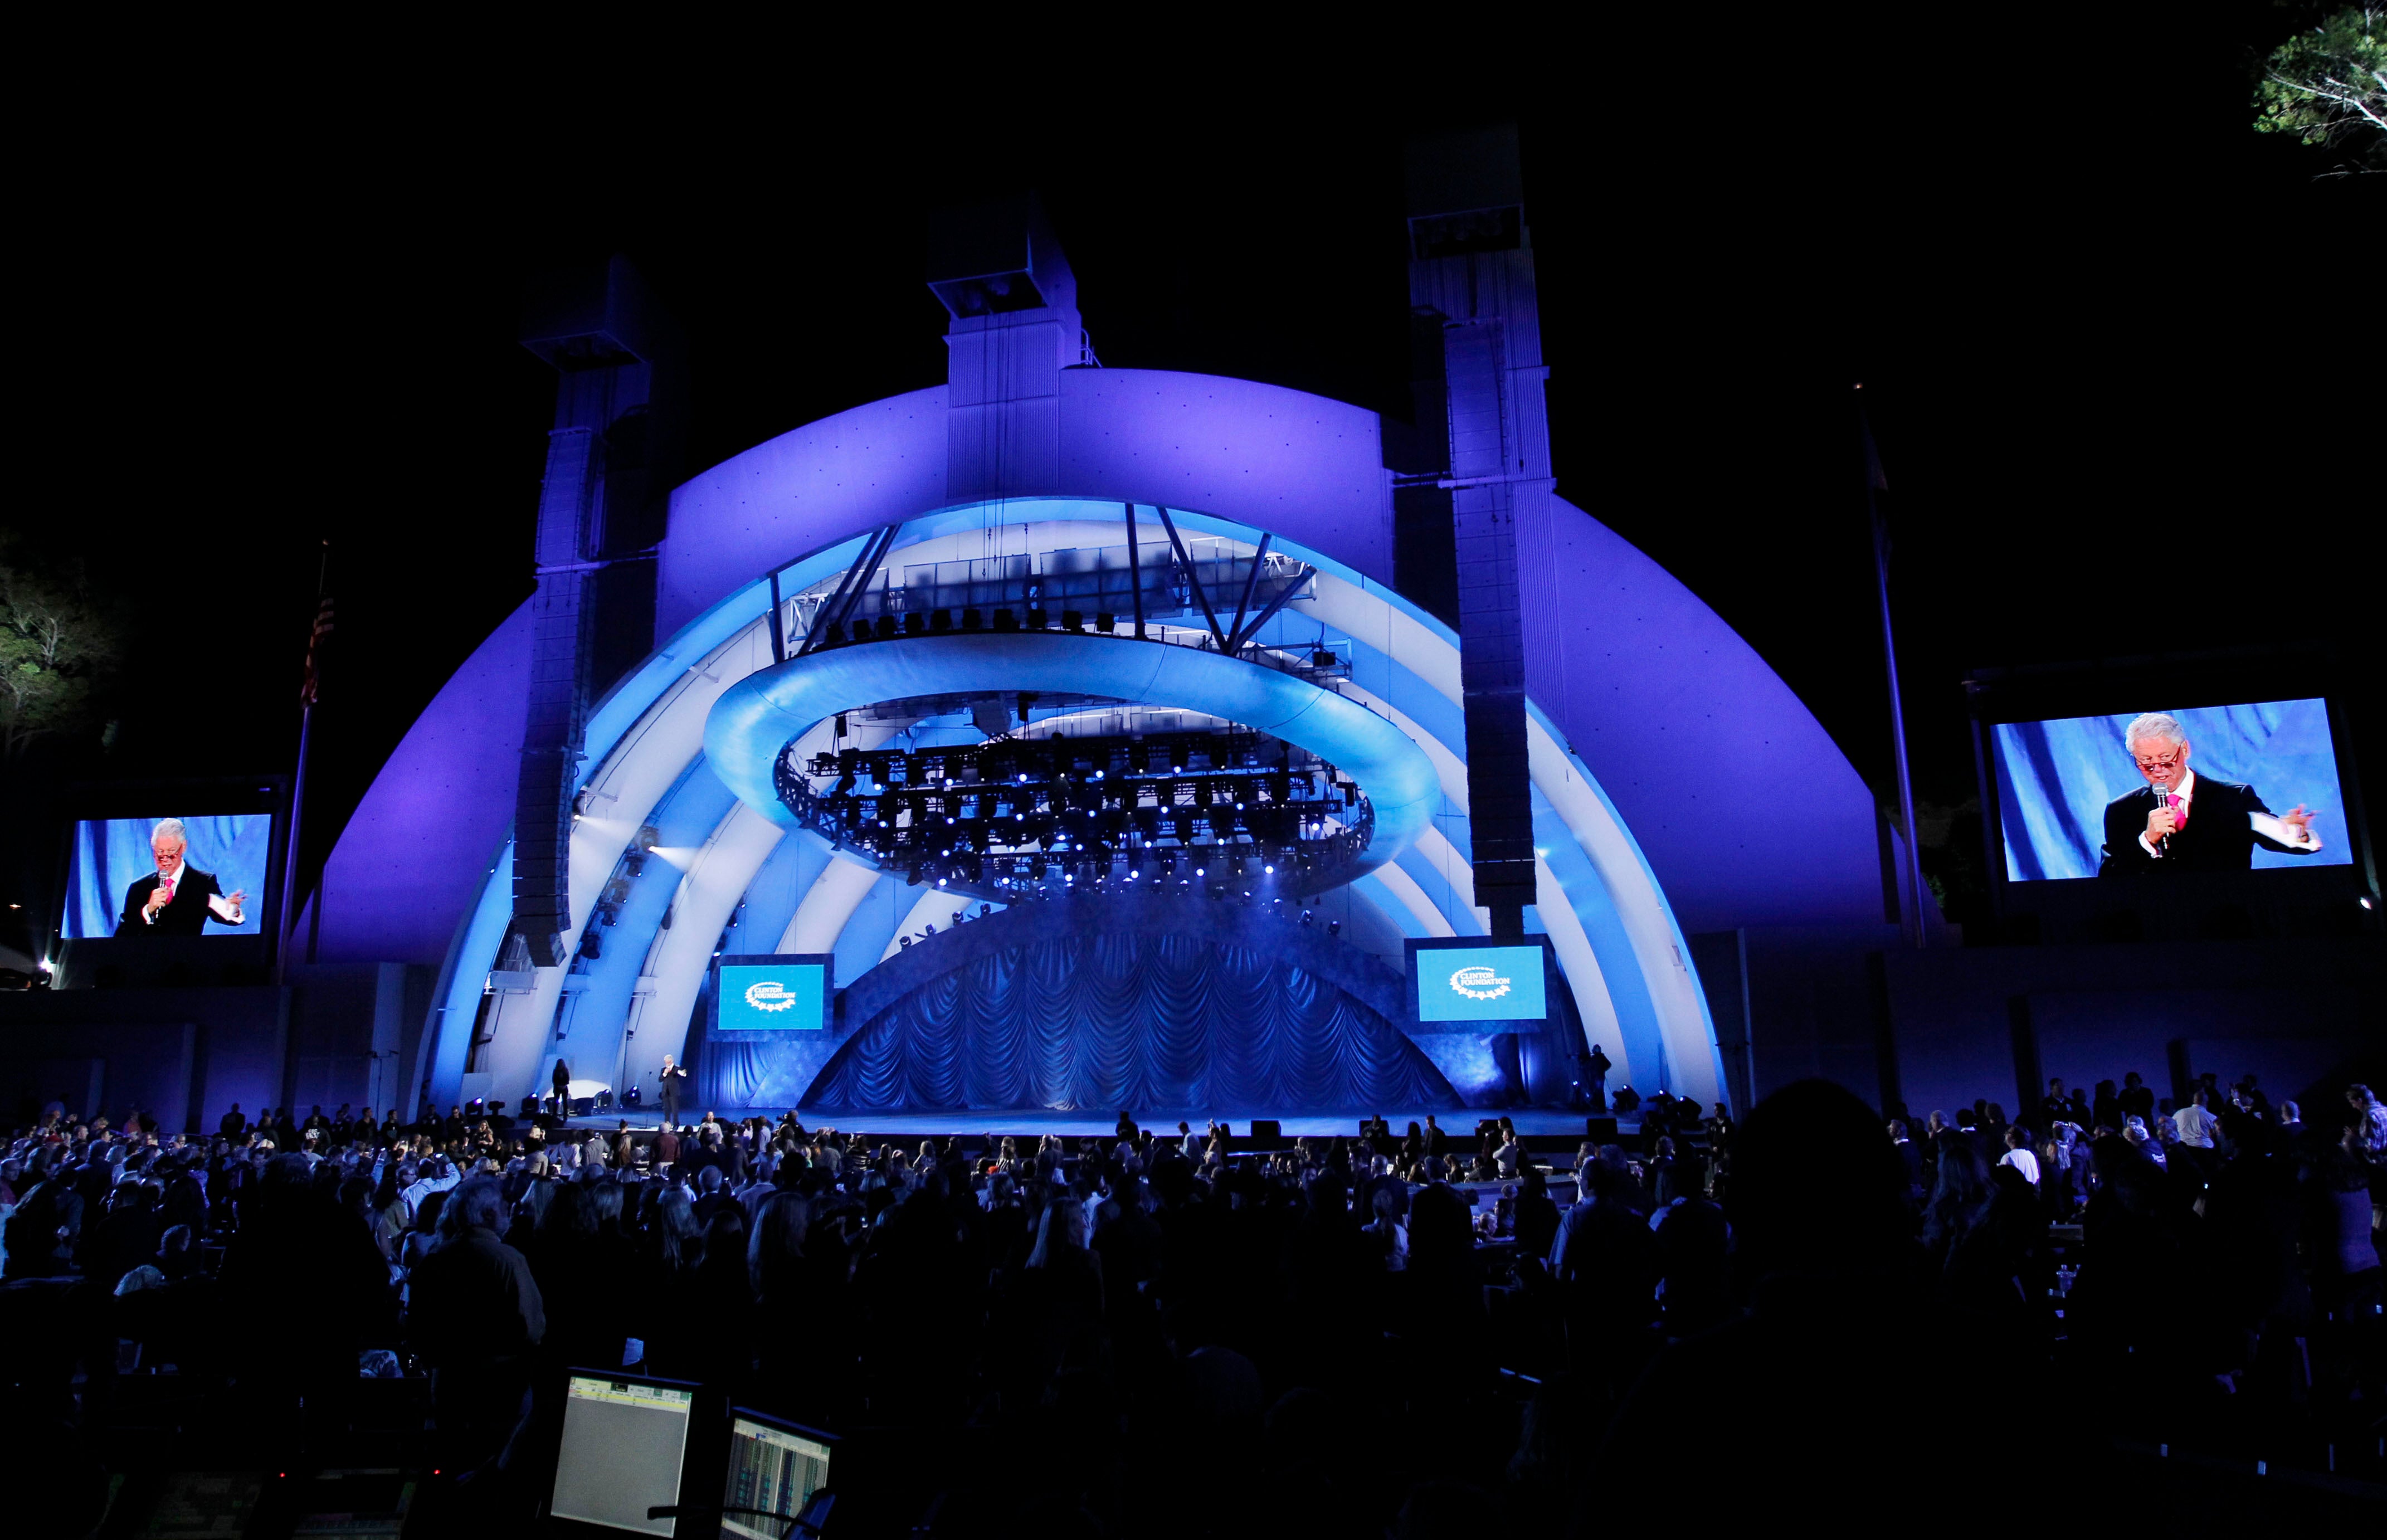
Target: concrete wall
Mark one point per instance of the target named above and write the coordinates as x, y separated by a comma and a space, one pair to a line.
237, 1046
188, 1055
1940, 1027
1983, 1021
106, 1069
348, 1034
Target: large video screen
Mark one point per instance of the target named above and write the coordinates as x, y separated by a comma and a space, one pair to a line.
773, 994
2205, 788
1479, 983
168, 876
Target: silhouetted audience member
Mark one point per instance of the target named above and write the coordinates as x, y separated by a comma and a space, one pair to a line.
477, 1315
1800, 1397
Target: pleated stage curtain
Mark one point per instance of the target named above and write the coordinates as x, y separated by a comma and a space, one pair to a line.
1147, 1023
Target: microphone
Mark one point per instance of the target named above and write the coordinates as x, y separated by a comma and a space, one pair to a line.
2162, 799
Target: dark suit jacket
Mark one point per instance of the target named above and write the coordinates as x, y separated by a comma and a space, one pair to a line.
2216, 839
187, 914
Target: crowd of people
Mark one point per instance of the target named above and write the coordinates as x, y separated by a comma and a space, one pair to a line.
1417, 1331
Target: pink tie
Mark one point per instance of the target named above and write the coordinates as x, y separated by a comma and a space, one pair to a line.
168, 883
2171, 800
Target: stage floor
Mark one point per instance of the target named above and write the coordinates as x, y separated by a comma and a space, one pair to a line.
1074, 1125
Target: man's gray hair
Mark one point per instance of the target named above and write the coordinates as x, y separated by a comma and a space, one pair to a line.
2153, 726
169, 828
479, 1200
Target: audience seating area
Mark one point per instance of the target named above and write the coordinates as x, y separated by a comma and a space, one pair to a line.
2105, 1304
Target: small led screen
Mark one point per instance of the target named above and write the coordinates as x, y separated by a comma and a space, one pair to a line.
1480, 983
772, 1470
773, 997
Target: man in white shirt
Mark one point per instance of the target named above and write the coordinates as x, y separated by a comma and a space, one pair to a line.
437, 1177
2019, 1156
2196, 1125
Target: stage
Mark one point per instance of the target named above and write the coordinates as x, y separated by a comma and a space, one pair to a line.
1459, 1125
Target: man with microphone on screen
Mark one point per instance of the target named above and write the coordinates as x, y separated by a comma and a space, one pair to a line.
2183, 822
177, 899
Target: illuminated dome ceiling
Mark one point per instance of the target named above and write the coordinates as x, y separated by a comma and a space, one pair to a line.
1081, 821
668, 863
1124, 543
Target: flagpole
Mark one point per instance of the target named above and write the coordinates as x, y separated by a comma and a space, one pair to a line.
1917, 895
286, 921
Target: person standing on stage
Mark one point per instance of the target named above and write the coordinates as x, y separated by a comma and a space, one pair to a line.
1595, 1077
562, 1082
674, 1081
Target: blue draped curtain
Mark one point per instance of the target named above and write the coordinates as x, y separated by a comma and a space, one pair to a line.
1144, 1022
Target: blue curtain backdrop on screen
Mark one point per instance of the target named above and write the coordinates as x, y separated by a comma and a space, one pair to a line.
2055, 779
112, 855
1108, 1022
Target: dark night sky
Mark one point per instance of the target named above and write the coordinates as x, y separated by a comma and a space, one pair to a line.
282, 320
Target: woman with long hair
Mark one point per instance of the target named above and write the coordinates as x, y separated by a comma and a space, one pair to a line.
671, 1235
1054, 1304
774, 1249
1960, 1197
425, 1233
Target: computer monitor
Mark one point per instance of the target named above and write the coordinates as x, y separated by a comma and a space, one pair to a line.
625, 1439
775, 1467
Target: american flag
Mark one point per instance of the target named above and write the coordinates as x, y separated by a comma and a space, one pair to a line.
313, 685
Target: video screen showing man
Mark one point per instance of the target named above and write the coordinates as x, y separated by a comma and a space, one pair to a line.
2181, 822
2077, 797
177, 899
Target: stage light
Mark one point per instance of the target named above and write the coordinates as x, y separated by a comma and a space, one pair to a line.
1334, 927
1270, 870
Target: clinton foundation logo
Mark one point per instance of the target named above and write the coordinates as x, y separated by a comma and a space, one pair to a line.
1479, 983
1497, 985
775, 995
770, 995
